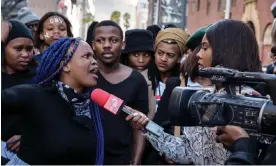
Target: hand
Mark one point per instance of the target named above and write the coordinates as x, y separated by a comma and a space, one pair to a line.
13, 143
5, 30
228, 134
274, 71
138, 119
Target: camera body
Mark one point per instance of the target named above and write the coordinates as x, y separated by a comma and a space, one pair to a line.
201, 107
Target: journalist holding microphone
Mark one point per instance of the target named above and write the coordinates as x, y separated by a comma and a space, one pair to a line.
230, 44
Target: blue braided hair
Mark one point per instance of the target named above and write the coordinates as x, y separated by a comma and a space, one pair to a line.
50, 68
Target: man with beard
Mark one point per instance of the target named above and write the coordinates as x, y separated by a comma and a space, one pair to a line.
123, 145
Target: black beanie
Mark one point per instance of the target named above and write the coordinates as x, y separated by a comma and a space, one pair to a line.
138, 40
18, 30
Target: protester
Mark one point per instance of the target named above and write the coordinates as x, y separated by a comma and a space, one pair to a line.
89, 36
169, 48
126, 83
170, 45
189, 78
51, 27
137, 54
66, 72
239, 39
17, 68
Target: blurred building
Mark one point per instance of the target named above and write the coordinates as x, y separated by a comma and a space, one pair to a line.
40, 7
142, 14
163, 12
80, 13
9, 8
256, 13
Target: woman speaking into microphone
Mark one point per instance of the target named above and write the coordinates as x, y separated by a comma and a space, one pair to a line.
60, 123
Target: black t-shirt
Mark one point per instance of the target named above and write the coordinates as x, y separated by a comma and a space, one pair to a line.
117, 131
52, 133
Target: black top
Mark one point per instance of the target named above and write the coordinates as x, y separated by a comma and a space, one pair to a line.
52, 134
117, 131
10, 124
161, 117
245, 152
269, 69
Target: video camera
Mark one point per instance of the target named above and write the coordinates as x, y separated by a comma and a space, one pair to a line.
201, 107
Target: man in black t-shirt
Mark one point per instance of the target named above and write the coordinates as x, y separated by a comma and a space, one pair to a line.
123, 145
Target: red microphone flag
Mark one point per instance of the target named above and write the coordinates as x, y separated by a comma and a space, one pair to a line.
109, 102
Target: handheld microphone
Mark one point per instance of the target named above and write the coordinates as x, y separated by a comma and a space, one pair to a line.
115, 105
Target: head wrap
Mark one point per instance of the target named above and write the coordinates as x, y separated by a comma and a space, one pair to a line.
174, 34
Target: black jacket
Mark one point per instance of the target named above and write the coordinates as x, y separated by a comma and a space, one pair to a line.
245, 152
52, 134
10, 124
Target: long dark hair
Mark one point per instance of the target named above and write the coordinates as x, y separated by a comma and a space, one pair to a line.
234, 46
40, 43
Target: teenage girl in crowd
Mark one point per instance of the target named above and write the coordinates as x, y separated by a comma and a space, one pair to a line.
51, 27
138, 53
18, 67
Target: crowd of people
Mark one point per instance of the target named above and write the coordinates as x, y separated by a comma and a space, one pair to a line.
48, 75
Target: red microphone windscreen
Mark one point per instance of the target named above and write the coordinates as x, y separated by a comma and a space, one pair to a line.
100, 97
107, 101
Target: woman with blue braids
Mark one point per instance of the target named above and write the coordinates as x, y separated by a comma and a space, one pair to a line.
60, 123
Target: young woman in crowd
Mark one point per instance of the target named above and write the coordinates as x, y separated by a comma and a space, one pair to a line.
239, 50
170, 46
138, 53
188, 76
18, 67
51, 27
69, 129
